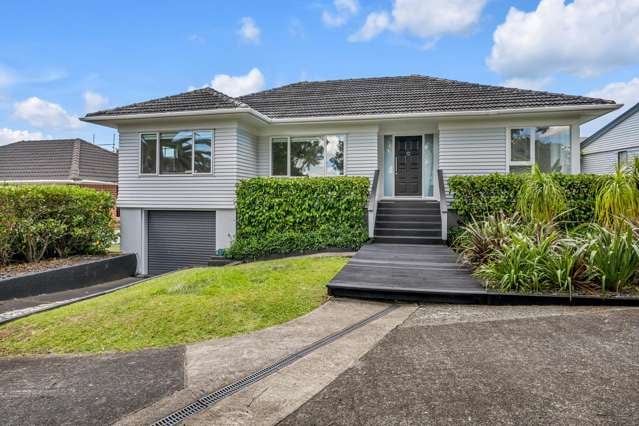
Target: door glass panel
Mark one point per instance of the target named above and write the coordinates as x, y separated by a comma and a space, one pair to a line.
429, 165
389, 166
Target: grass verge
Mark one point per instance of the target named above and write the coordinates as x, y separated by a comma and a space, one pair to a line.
183, 307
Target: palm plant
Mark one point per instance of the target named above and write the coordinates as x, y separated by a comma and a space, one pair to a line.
618, 199
541, 199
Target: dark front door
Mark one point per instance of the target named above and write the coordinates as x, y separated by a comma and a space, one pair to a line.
408, 164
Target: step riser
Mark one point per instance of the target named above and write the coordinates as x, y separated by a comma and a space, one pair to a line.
407, 233
408, 218
407, 211
404, 225
400, 240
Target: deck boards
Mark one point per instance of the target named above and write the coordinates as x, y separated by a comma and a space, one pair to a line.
405, 267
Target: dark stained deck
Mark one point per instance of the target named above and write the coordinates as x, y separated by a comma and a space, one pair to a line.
431, 273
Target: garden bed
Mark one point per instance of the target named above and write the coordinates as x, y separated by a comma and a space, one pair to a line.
14, 270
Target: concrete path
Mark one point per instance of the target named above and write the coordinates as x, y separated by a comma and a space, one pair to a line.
16, 308
217, 363
491, 365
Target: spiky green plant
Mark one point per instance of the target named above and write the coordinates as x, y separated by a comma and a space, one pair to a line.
541, 199
479, 240
618, 199
612, 257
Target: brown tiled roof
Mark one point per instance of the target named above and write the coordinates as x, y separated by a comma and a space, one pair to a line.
57, 159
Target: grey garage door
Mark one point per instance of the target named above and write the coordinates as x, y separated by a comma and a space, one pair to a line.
179, 239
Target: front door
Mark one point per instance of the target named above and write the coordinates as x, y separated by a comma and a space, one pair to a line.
408, 165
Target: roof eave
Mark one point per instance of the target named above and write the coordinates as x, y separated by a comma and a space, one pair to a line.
106, 118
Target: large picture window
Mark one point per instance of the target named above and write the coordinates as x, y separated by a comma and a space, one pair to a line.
181, 152
308, 156
548, 147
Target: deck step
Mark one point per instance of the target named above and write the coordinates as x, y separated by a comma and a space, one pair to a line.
407, 210
407, 225
408, 240
390, 217
394, 232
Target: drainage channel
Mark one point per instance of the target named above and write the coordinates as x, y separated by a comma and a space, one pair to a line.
215, 397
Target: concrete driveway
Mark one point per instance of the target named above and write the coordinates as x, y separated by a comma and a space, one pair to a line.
432, 364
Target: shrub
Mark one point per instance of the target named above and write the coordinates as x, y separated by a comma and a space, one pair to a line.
287, 215
618, 199
40, 221
477, 241
481, 196
540, 197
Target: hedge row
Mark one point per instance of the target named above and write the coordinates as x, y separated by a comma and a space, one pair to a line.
41, 221
480, 196
288, 215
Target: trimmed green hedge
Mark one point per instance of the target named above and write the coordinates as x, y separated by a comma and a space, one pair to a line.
41, 221
480, 196
289, 215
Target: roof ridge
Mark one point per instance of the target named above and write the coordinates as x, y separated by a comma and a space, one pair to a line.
74, 172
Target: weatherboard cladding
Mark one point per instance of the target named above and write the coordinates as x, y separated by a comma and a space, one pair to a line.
363, 96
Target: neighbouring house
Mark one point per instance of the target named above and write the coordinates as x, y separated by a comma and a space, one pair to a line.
615, 143
181, 156
59, 161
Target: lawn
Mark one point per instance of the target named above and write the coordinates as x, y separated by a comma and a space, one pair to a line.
183, 307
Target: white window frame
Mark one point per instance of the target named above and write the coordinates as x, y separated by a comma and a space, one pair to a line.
533, 132
288, 153
192, 172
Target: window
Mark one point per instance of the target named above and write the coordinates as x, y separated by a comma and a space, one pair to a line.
622, 158
308, 156
181, 152
548, 147
149, 149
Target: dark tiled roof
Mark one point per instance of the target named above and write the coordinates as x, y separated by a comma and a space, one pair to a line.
608, 127
58, 159
362, 96
194, 100
391, 95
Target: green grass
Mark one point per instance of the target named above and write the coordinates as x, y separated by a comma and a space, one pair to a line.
183, 307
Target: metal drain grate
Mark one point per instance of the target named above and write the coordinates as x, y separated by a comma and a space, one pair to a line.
212, 398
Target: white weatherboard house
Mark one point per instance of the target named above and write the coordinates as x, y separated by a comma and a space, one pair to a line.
616, 143
181, 156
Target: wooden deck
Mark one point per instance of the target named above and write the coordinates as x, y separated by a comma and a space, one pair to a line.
405, 268
431, 273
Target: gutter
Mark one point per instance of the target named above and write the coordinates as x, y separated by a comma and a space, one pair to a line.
456, 113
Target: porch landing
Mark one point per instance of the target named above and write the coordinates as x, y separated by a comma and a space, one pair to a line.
431, 273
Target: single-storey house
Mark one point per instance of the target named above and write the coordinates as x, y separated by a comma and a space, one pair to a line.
59, 161
615, 143
181, 156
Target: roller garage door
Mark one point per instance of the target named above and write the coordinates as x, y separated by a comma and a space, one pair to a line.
179, 239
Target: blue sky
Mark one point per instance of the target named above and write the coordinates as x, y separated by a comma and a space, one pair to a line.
60, 59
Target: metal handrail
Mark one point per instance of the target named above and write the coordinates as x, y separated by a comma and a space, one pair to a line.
443, 203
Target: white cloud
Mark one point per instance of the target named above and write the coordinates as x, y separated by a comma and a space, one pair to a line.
626, 93
45, 115
94, 101
239, 85
9, 135
583, 38
528, 83
7, 76
424, 19
376, 22
344, 9
249, 31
